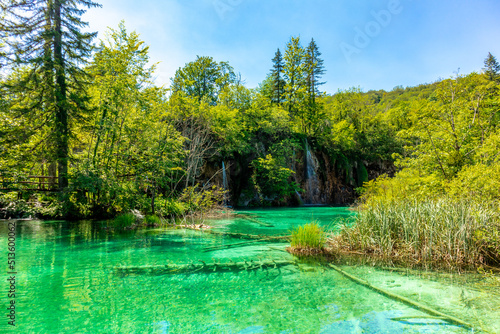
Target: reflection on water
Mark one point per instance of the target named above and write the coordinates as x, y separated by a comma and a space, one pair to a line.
67, 283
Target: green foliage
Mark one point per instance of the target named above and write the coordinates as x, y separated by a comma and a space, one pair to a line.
277, 83
271, 179
362, 173
128, 145
477, 181
203, 79
407, 184
443, 231
200, 199
124, 220
152, 220
491, 67
310, 235
48, 47
11, 206
169, 207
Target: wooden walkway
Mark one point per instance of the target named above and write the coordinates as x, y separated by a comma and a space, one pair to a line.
29, 183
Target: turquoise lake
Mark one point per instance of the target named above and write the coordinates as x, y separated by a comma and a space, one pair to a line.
69, 281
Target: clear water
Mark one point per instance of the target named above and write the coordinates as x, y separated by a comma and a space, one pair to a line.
67, 282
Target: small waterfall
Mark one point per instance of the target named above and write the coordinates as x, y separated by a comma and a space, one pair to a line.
312, 181
299, 197
224, 183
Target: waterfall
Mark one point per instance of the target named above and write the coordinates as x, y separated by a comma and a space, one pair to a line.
299, 197
312, 182
224, 182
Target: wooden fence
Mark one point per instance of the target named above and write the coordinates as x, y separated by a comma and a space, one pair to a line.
30, 183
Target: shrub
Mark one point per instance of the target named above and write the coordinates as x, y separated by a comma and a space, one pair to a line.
272, 179
201, 200
169, 207
152, 220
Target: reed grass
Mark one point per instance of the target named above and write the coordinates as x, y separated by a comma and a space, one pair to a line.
310, 235
124, 220
442, 232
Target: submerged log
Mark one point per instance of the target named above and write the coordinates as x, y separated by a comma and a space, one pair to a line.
239, 244
448, 318
201, 267
253, 220
283, 238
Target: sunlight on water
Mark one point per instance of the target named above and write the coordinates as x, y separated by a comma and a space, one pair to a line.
68, 282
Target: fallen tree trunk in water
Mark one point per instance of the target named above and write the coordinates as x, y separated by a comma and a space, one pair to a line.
254, 220
239, 244
201, 267
283, 238
448, 318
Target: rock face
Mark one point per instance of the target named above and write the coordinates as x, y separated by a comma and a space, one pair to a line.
313, 195
329, 184
323, 180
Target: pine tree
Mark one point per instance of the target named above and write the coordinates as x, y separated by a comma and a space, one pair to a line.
315, 70
278, 84
491, 67
294, 75
46, 41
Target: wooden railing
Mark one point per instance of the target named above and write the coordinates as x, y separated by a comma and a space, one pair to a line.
31, 182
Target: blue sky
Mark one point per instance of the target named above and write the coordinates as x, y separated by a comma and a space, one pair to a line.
371, 44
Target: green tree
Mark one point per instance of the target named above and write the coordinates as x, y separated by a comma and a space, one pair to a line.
491, 67
294, 75
448, 129
203, 78
45, 37
272, 179
314, 69
278, 84
128, 150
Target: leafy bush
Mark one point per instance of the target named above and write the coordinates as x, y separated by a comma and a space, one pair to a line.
169, 207
201, 200
272, 179
477, 181
152, 220
407, 184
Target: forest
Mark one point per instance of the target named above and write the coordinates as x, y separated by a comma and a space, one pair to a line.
86, 133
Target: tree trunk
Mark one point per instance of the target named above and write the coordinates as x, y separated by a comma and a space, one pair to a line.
61, 125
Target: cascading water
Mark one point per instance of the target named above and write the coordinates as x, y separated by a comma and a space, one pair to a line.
224, 183
312, 182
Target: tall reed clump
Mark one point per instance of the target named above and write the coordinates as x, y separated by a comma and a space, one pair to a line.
124, 220
152, 220
444, 232
307, 239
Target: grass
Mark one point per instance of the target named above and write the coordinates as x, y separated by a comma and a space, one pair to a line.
124, 220
152, 220
307, 239
443, 232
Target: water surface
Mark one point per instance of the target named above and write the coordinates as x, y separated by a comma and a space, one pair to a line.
68, 282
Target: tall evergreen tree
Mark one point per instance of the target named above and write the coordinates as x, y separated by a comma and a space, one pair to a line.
491, 67
315, 69
45, 39
278, 84
294, 75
